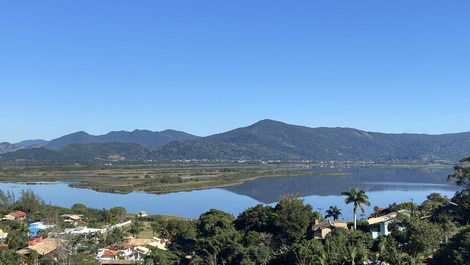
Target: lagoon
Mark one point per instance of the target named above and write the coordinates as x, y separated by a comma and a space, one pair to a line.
383, 185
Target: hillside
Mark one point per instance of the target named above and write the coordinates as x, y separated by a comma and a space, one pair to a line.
7, 147
264, 140
275, 140
128, 151
82, 152
30, 143
142, 137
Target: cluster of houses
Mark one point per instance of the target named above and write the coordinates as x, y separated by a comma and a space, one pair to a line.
129, 251
132, 250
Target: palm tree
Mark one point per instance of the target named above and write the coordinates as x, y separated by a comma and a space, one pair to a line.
334, 212
359, 198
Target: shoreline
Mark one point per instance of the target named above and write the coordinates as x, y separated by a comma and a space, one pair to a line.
170, 178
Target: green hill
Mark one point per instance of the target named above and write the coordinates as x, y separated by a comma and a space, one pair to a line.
273, 140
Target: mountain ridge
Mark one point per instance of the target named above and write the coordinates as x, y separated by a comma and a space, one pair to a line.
269, 140
143, 137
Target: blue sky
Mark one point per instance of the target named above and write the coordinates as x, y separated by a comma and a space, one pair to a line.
209, 66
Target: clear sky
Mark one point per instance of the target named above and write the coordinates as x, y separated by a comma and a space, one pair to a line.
209, 66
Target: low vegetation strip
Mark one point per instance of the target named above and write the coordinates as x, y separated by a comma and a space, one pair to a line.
157, 179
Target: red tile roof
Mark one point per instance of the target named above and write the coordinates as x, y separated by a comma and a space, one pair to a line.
34, 241
18, 214
123, 246
109, 253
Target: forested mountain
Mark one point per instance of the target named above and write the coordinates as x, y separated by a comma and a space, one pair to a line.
268, 139
82, 152
264, 140
143, 137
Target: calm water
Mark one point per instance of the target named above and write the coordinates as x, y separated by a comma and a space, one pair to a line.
383, 185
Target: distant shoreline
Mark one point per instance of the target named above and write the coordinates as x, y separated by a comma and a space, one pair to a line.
169, 178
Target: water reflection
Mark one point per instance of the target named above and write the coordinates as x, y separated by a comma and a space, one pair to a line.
384, 186
268, 190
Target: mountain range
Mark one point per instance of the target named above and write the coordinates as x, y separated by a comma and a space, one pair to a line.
264, 140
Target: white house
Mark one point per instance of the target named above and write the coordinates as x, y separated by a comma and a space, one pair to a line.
3, 235
83, 230
381, 225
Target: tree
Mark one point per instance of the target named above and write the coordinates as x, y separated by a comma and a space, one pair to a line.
136, 228
434, 202
79, 208
461, 175
6, 201
220, 248
457, 251
29, 202
417, 236
461, 199
292, 219
105, 216
213, 222
445, 221
160, 257
17, 239
334, 212
336, 246
218, 240
358, 198
182, 234
310, 252
114, 236
118, 213
259, 218
7, 256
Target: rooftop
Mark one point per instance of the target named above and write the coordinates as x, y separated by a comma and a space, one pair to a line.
387, 217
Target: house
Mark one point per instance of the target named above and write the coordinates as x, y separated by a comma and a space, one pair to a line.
381, 225
46, 248
122, 251
3, 235
107, 254
142, 214
83, 231
322, 229
15, 216
37, 227
160, 243
74, 219
130, 250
